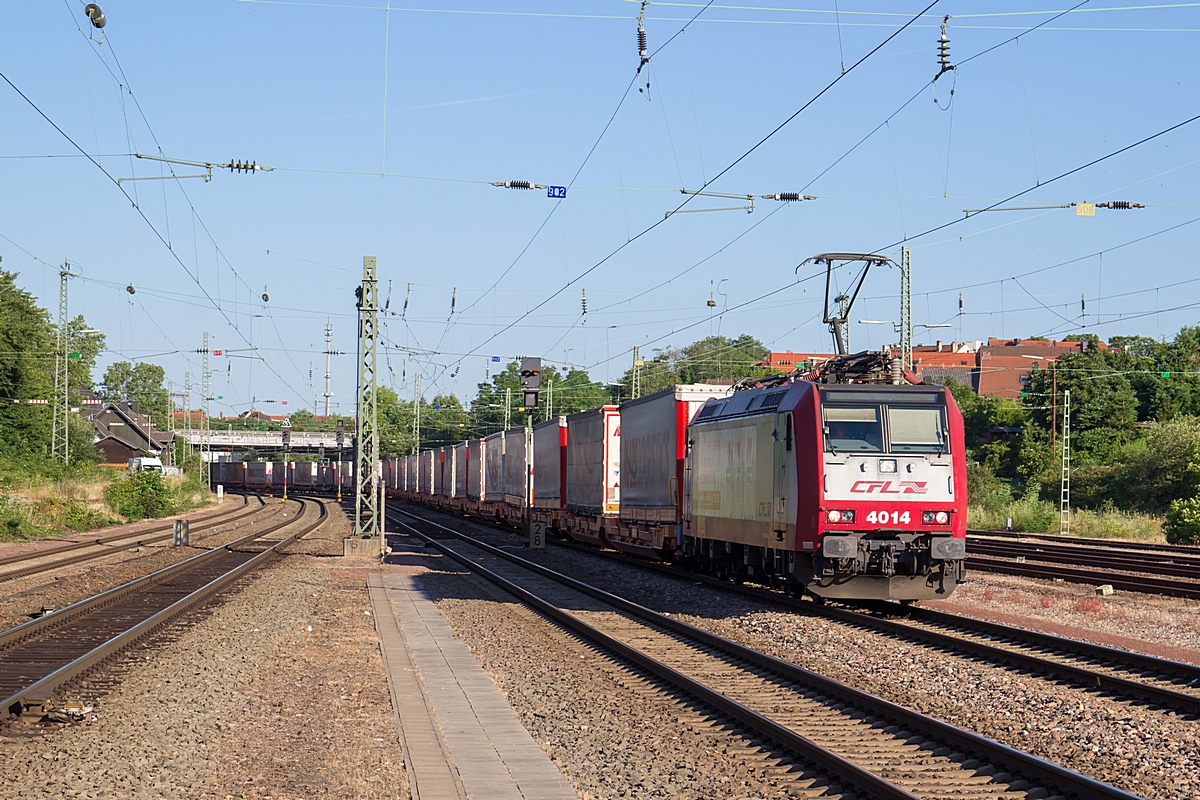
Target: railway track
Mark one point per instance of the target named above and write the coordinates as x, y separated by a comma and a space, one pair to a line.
1171, 570
1111, 544
116, 543
1172, 686
879, 747
45, 653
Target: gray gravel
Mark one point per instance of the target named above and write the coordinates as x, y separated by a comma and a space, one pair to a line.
1147, 752
613, 735
249, 701
58, 588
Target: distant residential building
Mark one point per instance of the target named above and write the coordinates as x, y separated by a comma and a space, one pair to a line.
788, 361
1000, 368
1004, 365
935, 363
121, 432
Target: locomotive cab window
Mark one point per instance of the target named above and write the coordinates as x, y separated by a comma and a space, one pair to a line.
855, 429
917, 430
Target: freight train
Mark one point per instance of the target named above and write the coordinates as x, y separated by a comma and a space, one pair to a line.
845, 483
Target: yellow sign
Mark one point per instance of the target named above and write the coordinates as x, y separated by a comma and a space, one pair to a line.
1085, 209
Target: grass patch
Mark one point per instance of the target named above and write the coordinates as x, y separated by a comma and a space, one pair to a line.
35, 506
1040, 516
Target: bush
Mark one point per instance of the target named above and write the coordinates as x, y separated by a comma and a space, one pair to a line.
139, 495
15, 524
1183, 522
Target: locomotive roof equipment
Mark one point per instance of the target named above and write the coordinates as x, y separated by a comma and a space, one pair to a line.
837, 322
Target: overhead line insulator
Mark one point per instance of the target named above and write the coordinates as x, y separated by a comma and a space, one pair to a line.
788, 197
1120, 204
518, 185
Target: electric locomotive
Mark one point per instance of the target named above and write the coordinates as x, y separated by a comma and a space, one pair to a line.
840, 490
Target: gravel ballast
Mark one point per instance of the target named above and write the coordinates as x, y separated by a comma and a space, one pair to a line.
58, 588
277, 692
1147, 752
611, 733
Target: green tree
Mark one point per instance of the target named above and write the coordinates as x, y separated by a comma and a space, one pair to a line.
559, 394
142, 383
26, 369
713, 358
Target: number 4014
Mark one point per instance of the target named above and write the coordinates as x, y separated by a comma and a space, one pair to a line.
884, 517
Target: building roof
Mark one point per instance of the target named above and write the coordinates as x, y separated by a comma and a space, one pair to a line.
121, 423
787, 361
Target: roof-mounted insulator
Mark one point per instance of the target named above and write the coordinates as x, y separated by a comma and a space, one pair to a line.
1124, 205
944, 49
517, 185
788, 197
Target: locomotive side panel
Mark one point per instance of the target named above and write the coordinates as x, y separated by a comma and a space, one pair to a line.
732, 475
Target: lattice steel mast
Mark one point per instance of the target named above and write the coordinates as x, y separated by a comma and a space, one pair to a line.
366, 462
1064, 502
59, 440
906, 323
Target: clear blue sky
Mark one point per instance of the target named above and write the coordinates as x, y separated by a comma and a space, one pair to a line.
490, 91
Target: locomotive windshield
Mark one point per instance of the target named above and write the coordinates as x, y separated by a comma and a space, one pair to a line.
861, 429
916, 430
853, 429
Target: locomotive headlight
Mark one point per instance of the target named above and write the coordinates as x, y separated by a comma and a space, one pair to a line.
887, 465
941, 518
935, 517
834, 516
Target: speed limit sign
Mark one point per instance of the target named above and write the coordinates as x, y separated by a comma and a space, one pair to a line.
537, 535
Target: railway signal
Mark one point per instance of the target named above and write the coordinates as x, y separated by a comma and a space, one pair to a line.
287, 445
531, 381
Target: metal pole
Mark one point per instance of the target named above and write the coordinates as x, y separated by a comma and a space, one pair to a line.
416, 443
1064, 505
62, 396
205, 428
366, 463
328, 354
906, 325
1054, 405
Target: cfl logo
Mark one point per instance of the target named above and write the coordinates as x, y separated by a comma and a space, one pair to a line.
886, 487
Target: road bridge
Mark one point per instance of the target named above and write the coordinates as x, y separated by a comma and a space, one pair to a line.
269, 441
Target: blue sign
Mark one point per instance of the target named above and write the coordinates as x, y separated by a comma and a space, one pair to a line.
556, 192
496, 359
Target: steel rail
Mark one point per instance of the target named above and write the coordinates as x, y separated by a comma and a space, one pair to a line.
95, 656
116, 537
1084, 541
1129, 561
1165, 697
1171, 587
70, 561
1055, 775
